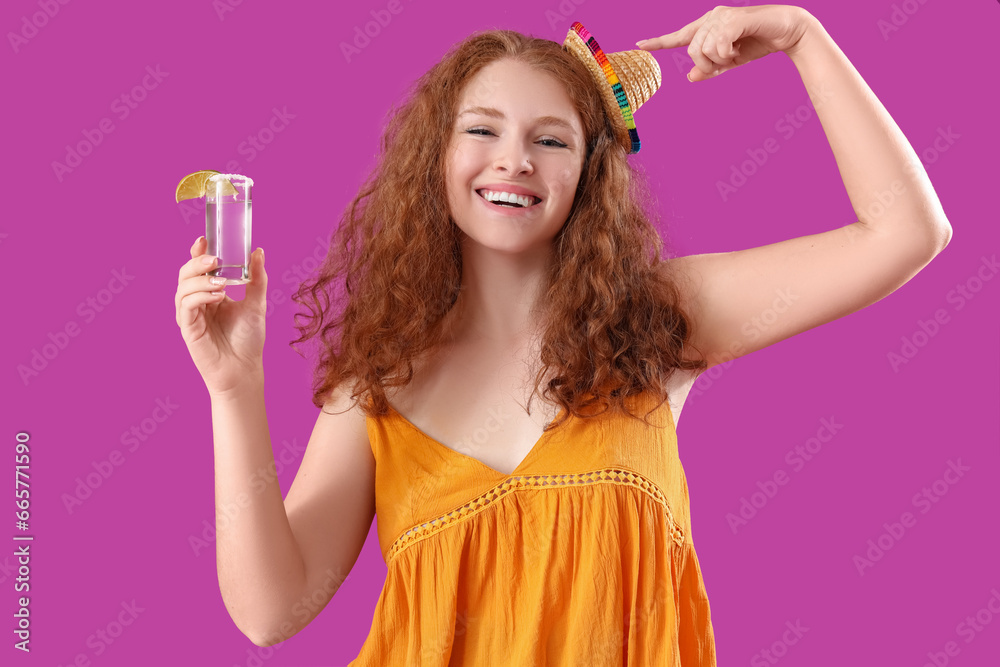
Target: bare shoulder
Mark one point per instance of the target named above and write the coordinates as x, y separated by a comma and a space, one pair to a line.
341, 407
342, 424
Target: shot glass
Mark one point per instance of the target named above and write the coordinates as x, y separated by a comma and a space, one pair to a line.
227, 226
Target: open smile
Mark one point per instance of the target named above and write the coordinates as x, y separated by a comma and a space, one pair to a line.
508, 208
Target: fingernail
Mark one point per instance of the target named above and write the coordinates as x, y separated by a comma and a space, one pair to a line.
641, 42
689, 77
208, 260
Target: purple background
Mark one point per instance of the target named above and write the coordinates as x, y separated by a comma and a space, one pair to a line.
222, 78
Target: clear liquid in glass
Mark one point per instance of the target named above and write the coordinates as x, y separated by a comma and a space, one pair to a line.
227, 230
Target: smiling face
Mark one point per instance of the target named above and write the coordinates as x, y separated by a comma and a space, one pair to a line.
508, 137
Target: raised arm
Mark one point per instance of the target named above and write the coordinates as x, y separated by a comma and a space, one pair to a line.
745, 300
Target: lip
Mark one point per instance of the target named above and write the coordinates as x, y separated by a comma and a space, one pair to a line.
508, 187
502, 210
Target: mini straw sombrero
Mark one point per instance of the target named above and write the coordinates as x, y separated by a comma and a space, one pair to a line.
627, 79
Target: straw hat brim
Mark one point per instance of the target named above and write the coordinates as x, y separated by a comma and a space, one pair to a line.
626, 79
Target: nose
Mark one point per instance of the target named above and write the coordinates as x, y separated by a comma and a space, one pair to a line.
513, 158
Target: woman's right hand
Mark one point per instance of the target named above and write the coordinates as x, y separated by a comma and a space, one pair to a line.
225, 337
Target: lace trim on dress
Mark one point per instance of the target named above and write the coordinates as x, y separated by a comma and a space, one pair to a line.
604, 476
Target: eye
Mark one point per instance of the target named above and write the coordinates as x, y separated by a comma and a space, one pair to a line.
551, 143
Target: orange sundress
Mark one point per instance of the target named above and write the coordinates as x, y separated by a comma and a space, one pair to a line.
582, 556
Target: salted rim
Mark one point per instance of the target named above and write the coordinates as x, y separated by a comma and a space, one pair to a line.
230, 177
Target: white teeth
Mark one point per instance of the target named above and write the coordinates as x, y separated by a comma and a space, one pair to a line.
523, 200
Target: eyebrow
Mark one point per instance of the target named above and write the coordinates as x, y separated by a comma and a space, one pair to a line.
496, 113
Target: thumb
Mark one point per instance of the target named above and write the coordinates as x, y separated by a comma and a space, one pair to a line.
697, 75
257, 287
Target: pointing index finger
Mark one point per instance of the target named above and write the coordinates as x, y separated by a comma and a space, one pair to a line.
681, 37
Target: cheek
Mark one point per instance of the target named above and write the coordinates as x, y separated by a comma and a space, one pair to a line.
568, 178
456, 175
566, 181
462, 166
567, 173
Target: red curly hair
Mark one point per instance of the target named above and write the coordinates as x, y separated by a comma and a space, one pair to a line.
612, 323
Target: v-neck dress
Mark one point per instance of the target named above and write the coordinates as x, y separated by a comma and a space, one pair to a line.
581, 556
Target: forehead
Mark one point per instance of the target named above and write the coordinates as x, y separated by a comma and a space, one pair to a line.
517, 91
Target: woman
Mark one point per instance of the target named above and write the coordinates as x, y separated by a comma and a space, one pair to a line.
502, 248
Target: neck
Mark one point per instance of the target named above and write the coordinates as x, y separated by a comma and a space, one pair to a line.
497, 303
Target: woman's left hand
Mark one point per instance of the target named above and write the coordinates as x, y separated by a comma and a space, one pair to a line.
728, 37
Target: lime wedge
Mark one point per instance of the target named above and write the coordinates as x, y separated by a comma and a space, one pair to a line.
196, 184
